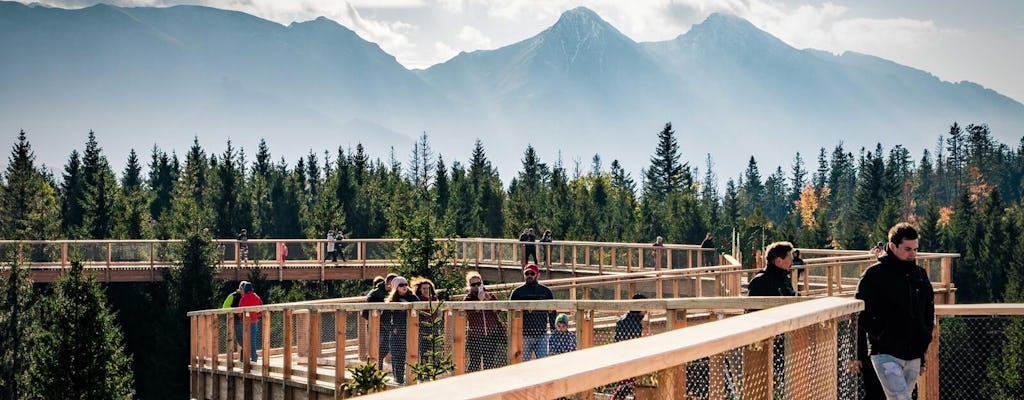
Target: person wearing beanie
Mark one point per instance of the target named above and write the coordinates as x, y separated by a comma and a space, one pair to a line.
561, 339
251, 299
397, 321
536, 324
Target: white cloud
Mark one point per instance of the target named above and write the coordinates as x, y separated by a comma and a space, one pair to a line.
454, 6
444, 51
474, 36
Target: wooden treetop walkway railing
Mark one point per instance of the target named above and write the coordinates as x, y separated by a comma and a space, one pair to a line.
686, 349
143, 260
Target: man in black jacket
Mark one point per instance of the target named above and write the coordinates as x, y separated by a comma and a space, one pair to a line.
898, 316
536, 324
774, 279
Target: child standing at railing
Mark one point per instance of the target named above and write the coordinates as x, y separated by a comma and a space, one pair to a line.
561, 340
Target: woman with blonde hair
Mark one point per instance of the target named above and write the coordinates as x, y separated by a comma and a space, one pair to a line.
486, 337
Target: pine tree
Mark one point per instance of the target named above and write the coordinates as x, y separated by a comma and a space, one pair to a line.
28, 205
442, 189
132, 222
78, 351
797, 179
100, 189
666, 173
752, 191
227, 199
776, 203
15, 319
73, 198
162, 176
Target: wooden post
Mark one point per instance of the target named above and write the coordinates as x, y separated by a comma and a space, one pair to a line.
374, 338
287, 369
675, 288
362, 336
672, 381
340, 338
797, 370
585, 337
193, 381
265, 371
302, 332
246, 343
700, 258
757, 365
668, 258
64, 254
946, 265
825, 374
515, 336
716, 376
412, 351
313, 323
928, 384
110, 257
212, 337
828, 279
459, 346
232, 341
659, 288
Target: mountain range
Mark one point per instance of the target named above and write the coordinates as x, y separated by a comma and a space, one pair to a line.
145, 76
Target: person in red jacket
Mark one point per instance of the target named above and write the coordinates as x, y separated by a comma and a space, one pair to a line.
250, 299
486, 336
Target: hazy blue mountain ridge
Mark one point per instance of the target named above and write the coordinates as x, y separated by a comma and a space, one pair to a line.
144, 75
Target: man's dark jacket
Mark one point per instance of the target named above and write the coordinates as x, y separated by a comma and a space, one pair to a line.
377, 295
899, 309
535, 323
771, 281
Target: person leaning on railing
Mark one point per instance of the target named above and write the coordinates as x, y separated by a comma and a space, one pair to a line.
486, 338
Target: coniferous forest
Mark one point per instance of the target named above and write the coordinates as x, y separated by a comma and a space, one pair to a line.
965, 196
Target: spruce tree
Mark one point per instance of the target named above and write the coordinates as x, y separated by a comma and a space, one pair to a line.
752, 192
72, 198
28, 204
101, 193
78, 351
15, 319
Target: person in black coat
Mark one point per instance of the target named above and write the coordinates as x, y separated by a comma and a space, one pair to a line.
398, 321
898, 317
774, 279
536, 324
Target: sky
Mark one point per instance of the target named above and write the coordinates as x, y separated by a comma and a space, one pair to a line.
977, 41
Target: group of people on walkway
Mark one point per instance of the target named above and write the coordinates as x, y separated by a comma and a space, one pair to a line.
895, 328
530, 248
245, 296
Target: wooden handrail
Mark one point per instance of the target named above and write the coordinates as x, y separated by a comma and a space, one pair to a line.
583, 370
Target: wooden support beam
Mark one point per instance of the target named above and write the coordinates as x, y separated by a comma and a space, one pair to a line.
286, 371
515, 336
758, 379
313, 324
340, 337
412, 340
459, 345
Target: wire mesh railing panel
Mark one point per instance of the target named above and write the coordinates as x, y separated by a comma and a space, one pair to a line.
487, 340
981, 357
